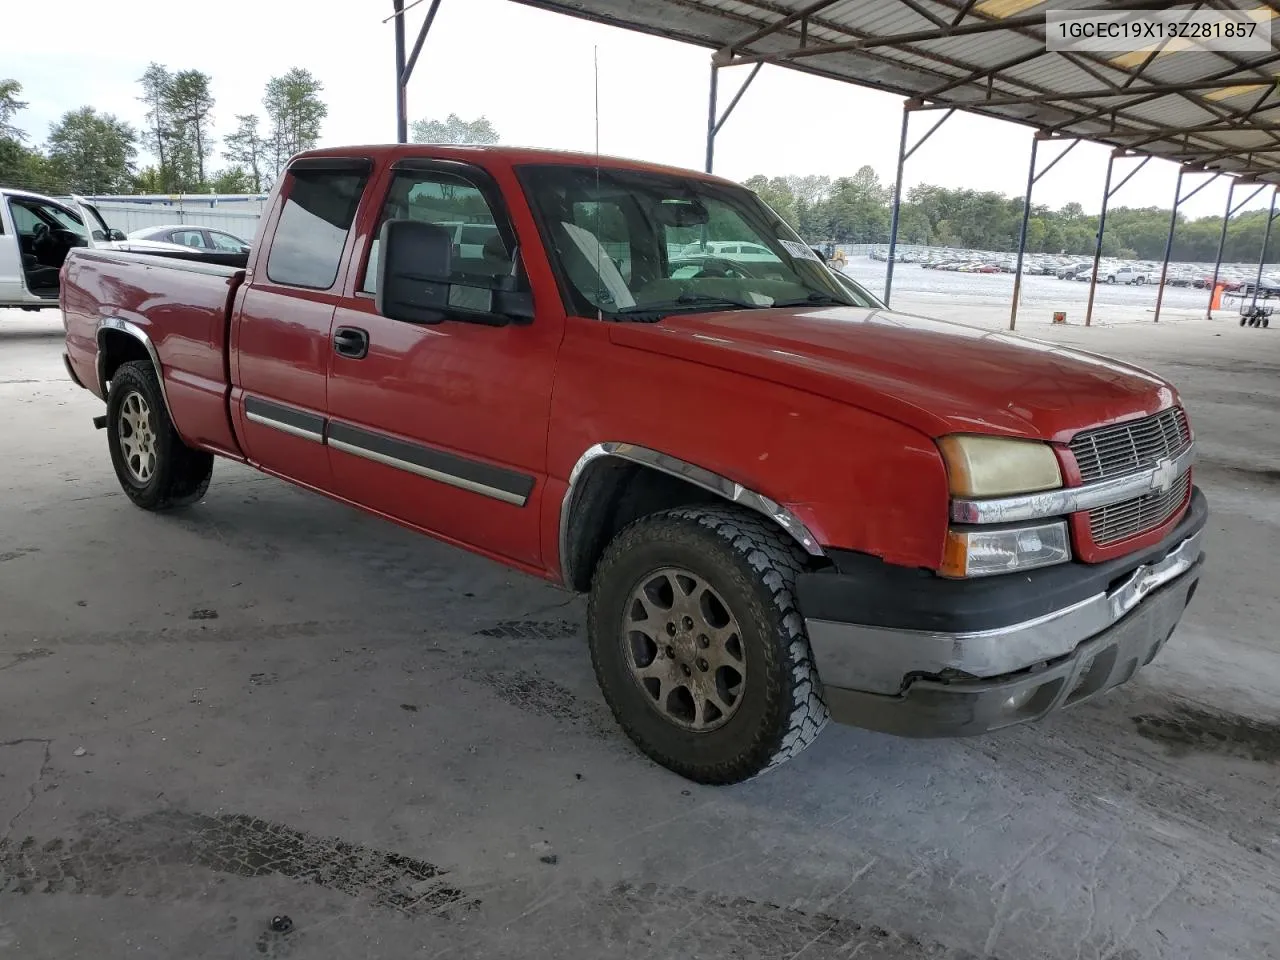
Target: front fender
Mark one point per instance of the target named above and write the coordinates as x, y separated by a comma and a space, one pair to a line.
847, 478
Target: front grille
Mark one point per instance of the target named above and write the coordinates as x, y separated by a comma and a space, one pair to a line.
1128, 447
1108, 525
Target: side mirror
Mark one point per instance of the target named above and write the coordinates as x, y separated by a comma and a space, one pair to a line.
118, 235
416, 285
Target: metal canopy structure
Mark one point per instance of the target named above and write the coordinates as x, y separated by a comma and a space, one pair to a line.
1212, 112
1215, 109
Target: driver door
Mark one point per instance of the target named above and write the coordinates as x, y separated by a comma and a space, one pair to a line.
45, 231
443, 425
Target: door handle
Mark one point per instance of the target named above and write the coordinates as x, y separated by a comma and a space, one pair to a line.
351, 342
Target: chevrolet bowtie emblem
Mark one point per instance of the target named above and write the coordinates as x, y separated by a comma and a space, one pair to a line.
1163, 476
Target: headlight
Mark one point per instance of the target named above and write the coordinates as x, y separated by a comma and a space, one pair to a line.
980, 466
978, 552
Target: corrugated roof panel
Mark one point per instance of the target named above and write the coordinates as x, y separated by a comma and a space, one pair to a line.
981, 50
983, 43
1173, 111
879, 18
1191, 65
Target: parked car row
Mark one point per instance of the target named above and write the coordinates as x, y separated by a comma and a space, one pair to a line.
1232, 276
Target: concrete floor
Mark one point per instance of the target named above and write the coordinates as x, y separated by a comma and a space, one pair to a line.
272, 704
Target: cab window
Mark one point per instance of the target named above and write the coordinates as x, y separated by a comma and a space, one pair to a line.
454, 204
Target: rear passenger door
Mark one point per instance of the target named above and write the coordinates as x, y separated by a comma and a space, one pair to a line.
280, 338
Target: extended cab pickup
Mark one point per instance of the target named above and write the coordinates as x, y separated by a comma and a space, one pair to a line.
785, 501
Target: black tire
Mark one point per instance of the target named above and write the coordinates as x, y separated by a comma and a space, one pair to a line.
752, 565
178, 476
1111, 279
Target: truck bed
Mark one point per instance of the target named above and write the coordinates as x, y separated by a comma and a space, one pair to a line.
181, 306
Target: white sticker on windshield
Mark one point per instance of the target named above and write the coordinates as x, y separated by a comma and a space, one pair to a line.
800, 250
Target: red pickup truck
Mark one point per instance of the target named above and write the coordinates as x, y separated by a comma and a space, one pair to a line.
785, 501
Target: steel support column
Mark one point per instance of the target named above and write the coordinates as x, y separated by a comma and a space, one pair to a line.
903, 155
1222, 238
404, 66
897, 203
1262, 257
1178, 200
402, 107
1168, 243
711, 117
714, 123
1022, 233
1108, 192
1032, 179
1222, 242
1097, 240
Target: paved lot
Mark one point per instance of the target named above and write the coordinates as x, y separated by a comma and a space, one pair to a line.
272, 704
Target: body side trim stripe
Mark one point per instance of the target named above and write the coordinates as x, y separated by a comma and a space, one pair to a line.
299, 423
499, 483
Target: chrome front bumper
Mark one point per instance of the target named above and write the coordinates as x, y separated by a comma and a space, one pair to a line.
877, 660
918, 682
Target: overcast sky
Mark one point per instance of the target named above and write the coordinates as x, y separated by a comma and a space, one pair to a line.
531, 73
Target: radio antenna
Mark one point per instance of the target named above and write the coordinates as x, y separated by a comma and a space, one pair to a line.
595, 68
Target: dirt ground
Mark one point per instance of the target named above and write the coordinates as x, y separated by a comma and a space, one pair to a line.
274, 705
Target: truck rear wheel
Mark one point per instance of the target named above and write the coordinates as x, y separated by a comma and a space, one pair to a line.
699, 647
156, 470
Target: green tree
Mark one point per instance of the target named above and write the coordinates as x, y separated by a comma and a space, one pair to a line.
859, 210
20, 165
149, 180
10, 106
232, 180
158, 131
777, 194
91, 152
188, 104
247, 150
453, 129
295, 112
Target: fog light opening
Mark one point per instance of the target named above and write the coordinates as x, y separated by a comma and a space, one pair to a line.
1018, 700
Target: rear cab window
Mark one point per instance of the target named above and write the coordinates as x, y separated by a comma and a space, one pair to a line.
315, 222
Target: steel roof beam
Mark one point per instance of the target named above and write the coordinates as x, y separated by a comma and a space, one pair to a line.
1155, 90
922, 36
1147, 97
985, 72
925, 12
963, 12
800, 15
1216, 126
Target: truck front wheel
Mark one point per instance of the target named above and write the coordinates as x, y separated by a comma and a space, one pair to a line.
699, 647
156, 470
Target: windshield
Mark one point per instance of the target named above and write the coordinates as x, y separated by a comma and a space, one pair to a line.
641, 245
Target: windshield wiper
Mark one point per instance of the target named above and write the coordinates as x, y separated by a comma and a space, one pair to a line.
814, 299
689, 299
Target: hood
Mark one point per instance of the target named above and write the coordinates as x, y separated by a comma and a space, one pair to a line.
933, 375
